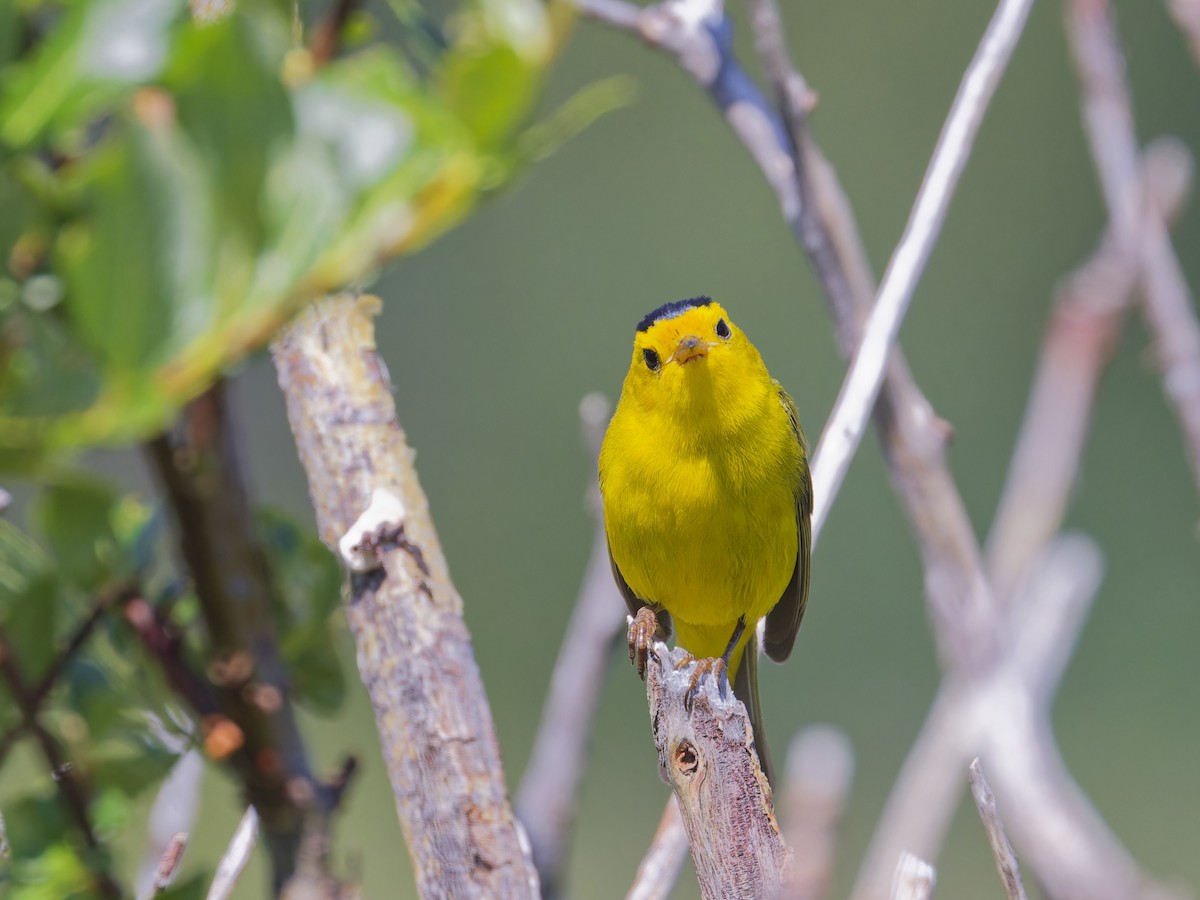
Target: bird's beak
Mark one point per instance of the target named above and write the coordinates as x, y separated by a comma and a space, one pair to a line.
689, 348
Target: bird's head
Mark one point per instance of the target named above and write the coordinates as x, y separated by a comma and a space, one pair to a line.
691, 361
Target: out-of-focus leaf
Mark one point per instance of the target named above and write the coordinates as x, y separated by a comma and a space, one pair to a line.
10, 33
75, 516
18, 205
92, 58
138, 267
491, 90
92, 694
235, 111
33, 823
315, 672
111, 810
29, 600
57, 873
130, 768
194, 888
310, 582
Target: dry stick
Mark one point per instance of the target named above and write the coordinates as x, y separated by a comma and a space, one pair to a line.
234, 860
660, 866
820, 766
1085, 324
198, 467
545, 801
414, 652
914, 879
1006, 860
707, 754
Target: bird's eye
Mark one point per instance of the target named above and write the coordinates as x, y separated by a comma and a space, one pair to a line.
722, 329
652, 360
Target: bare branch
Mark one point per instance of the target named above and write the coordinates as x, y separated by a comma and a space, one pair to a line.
820, 766
1169, 308
234, 860
848, 421
915, 879
660, 866
1006, 860
414, 652
173, 812
706, 750
1084, 328
545, 802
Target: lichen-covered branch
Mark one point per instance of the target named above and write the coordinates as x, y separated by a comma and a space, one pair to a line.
414, 652
708, 756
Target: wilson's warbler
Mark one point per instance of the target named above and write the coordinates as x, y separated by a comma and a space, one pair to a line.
707, 498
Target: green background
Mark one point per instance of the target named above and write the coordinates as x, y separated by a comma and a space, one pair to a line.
494, 334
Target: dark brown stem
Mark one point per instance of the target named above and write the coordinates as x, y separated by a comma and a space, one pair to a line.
328, 33
73, 795
198, 467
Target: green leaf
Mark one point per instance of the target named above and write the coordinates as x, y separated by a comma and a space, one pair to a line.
10, 31
33, 823
76, 516
29, 601
92, 58
142, 255
315, 671
92, 693
58, 873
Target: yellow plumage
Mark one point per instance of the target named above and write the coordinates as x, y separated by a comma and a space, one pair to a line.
707, 495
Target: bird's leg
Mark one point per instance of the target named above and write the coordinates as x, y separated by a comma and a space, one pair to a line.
642, 629
718, 667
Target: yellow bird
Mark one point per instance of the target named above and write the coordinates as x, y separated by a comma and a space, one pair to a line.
707, 498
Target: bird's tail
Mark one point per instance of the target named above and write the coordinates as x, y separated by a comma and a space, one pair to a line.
745, 687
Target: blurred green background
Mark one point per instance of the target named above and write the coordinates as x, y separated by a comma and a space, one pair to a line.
494, 333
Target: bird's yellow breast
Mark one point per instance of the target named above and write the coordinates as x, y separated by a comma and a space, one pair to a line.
700, 495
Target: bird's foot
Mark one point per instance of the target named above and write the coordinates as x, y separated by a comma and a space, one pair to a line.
715, 666
642, 629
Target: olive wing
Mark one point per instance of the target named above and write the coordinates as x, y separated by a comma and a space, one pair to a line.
783, 621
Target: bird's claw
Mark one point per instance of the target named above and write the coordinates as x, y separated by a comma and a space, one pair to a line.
717, 667
642, 629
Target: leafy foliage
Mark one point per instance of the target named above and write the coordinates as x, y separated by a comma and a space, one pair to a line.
174, 189
175, 182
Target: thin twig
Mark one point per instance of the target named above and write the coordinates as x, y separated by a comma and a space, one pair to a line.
820, 767
234, 860
660, 866
1006, 860
174, 811
848, 421
545, 801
